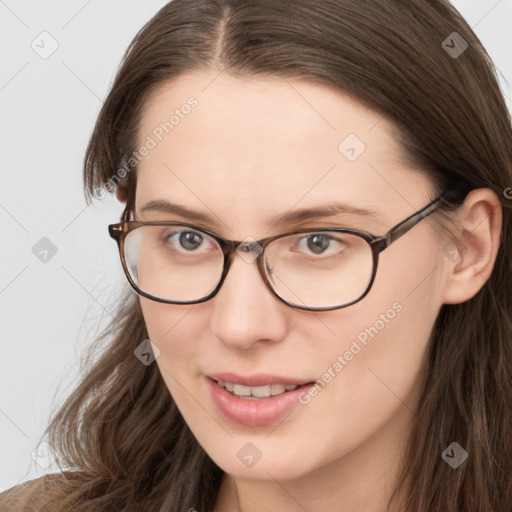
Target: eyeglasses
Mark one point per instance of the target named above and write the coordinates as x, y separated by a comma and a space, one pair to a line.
312, 269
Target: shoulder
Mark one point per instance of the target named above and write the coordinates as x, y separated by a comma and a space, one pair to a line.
28, 496
16, 498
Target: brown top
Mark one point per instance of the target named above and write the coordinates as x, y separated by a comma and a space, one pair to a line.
27, 496
15, 497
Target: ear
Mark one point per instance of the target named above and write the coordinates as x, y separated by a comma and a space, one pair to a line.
474, 251
121, 193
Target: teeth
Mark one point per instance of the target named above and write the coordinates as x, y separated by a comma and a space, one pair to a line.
242, 390
263, 392
255, 392
276, 389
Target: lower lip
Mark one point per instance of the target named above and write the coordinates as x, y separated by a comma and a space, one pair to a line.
254, 413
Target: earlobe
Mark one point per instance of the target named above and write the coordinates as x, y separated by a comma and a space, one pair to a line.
477, 244
121, 193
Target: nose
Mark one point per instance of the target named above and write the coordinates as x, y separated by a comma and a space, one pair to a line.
245, 311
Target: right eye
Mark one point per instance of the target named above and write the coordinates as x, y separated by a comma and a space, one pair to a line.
186, 240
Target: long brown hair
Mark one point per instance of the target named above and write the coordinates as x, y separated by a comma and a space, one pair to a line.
120, 428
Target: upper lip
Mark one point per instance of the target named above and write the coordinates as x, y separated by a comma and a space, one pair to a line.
259, 379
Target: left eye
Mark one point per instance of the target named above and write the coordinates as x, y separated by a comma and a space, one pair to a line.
319, 243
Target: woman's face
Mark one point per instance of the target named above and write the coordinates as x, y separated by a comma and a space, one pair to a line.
248, 152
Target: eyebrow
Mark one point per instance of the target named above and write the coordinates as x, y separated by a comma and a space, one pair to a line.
291, 217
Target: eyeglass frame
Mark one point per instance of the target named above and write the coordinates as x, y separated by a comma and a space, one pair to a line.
377, 244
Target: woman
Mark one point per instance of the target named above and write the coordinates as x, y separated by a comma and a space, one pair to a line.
317, 226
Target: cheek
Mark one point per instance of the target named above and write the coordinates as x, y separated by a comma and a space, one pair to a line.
388, 352
379, 356
165, 324
372, 378
175, 337
378, 346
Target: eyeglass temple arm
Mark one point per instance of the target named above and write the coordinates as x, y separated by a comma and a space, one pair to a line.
404, 226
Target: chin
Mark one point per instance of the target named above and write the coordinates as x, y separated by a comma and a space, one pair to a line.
273, 464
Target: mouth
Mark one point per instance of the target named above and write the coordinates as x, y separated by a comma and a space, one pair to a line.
255, 406
258, 392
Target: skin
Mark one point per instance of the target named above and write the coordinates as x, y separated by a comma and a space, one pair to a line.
253, 149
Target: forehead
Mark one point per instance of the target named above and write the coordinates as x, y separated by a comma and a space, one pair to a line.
243, 146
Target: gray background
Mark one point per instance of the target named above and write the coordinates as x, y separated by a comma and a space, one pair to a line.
50, 310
